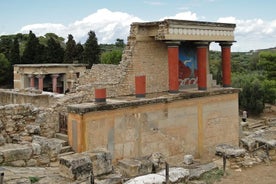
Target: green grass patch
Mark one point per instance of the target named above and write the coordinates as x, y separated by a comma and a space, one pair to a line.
33, 179
212, 176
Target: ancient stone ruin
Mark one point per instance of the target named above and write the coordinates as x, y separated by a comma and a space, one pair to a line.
140, 117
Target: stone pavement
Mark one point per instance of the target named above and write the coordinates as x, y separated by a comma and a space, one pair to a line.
24, 175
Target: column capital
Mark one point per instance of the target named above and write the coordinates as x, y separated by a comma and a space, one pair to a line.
202, 44
40, 76
55, 75
173, 43
225, 44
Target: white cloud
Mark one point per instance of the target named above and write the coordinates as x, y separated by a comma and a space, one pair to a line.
107, 25
250, 34
253, 33
183, 16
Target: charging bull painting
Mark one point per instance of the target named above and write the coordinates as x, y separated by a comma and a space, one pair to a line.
187, 66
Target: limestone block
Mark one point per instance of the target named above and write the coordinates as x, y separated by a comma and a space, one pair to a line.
176, 174
110, 179
31, 163
36, 148
33, 129
43, 160
135, 167
1, 158
101, 161
147, 179
2, 140
229, 150
76, 166
18, 163
196, 173
50, 146
12, 152
188, 159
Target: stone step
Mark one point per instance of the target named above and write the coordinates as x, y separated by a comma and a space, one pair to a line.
65, 149
62, 136
62, 142
65, 154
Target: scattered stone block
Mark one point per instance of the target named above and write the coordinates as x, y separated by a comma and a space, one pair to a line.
101, 161
135, 167
75, 167
13, 152
197, 172
188, 159
147, 179
110, 179
229, 150
176, 174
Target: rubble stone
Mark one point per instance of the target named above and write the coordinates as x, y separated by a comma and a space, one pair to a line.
13, 152
75, 167
188, 159
134, 167
229, 151
101, 161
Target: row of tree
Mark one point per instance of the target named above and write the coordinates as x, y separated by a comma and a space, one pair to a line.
50, 48
254, 73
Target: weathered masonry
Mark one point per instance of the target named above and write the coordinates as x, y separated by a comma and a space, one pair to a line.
47, 77
172, 54
182, 109
173, 125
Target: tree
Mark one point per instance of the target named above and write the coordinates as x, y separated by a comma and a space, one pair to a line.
111, 57
268, 64
79, 53
251, 98
34, 51
120, 43
54, 51
70, 50
91, 50
15, 53
5, 66
5, 45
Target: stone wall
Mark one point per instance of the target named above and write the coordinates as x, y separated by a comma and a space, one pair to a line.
17, 97
142, 56
173, 125
19, 122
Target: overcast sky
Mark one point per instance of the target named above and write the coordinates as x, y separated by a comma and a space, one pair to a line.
110, 19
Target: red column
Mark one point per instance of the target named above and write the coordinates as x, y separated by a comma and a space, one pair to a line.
140, 86
40, 82
32, 81
202, 49
54, 82
173, 59
100, 95
226, 63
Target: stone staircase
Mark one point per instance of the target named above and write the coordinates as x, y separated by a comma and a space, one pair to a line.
66, 148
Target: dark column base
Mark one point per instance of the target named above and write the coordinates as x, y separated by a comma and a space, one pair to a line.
202, 88
173, 91
227, 86
140, 95
100, 99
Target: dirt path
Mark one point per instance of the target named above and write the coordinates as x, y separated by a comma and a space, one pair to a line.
258, 174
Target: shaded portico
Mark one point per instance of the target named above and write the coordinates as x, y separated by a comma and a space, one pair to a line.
188, 51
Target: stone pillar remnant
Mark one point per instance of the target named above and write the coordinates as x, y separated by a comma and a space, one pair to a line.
40, 81
54, 82
32, 80
100, 95
226, 63
140, 86
202, 49
173, 59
